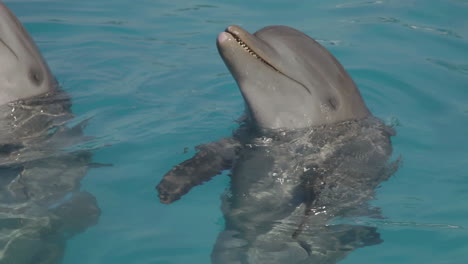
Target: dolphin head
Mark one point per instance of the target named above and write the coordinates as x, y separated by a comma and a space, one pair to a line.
23, 71
288, 80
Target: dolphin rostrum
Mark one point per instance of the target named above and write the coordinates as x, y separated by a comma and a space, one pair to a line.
41, 204
308, 154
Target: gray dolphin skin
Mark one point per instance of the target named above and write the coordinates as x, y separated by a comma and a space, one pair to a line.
41, 204
308, 155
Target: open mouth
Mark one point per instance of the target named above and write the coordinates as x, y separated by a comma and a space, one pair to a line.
250, 51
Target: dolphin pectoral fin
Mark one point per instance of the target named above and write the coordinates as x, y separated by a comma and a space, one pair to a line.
349, 237
335, 242
229, 248
78, 213
65, 136
210, 161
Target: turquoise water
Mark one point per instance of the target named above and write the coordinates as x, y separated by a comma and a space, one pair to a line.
148, 75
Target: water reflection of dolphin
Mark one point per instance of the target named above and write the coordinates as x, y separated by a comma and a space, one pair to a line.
40, 201
308, 153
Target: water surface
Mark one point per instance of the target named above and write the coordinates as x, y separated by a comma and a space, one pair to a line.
148, 75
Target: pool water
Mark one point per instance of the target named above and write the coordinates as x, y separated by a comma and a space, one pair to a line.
148, 75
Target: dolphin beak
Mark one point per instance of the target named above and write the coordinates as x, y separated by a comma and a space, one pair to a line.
255, 46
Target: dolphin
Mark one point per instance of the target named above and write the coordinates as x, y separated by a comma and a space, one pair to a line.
307, 155
41, 204
23, 70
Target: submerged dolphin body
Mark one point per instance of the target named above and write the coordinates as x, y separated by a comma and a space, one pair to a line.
308, 153
40, 201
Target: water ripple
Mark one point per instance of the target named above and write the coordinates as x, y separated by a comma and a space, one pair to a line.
195, 8
415, 225
459, 68
398, 21
358, 4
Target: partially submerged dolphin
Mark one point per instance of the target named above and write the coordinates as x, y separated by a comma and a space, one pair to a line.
40, 201
308, 153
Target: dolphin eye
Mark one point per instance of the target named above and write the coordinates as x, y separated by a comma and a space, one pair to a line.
333, 103
35, 77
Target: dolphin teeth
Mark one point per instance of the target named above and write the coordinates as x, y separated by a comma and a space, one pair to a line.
246, 48
251, 52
